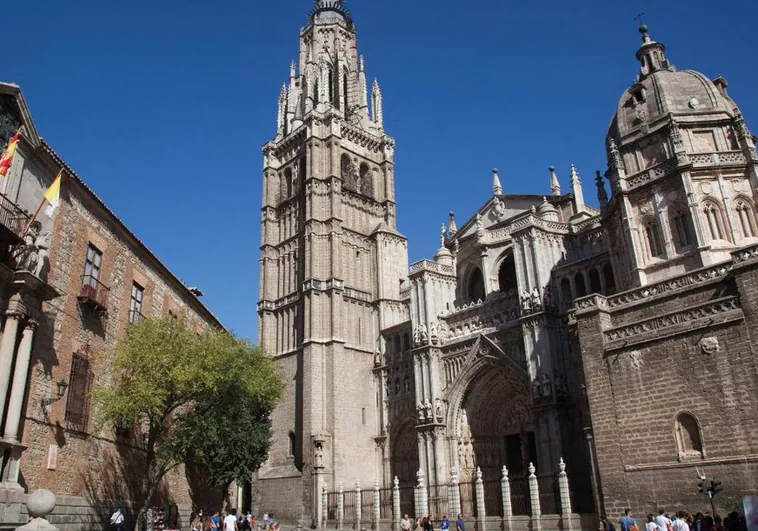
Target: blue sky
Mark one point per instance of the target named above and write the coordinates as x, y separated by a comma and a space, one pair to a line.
162, 107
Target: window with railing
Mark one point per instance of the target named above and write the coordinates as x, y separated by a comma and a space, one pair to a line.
77, 405
93, 291
135, 303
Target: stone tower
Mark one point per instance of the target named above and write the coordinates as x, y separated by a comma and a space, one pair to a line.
331, 265
683, 171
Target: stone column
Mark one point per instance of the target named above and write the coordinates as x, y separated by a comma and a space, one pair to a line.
422, 495
396, 516
505, 489
7, 347
358, 505
439, 437
18, 390
534, 495
340, 506
324, 505
480, 511
454, 494
377, 506
563, 486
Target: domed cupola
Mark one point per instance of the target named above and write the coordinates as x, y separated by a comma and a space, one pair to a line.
547, 211
651, 55
330, 11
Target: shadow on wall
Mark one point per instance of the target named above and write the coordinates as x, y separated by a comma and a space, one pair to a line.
204, 497
115, 480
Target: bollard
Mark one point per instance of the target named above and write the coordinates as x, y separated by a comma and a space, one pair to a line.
358, 504
422, 495
377, 506
480, 510
40, 504
563, 486
324, 505
340, 506
505, 488
454, 494
396, 516
534, 495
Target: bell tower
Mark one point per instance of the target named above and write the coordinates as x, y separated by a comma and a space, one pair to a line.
331, 263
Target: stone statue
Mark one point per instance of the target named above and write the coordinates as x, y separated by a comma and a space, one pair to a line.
428, 410
417, 336
424, 334
536, 300
438, 413
32, 255
547, 386
548, 297
526, 302
319, 461
479, 222
434, 332
420, 409
536, 388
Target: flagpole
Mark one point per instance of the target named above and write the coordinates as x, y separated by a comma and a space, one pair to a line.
36, 212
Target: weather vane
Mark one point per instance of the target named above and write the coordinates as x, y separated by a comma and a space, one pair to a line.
639, 17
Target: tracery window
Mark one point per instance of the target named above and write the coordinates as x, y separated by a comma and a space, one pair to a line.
682, 227
745, 217
654, 238
714, 220
689, 440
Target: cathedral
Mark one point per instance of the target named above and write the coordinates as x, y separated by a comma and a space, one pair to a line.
617, 340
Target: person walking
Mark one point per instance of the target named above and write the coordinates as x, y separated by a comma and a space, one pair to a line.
606, 524
650, 525
230, 522
662, 521
405, 523
680, 522
627, 523
460, 525
265, 521
117, 520
444, 523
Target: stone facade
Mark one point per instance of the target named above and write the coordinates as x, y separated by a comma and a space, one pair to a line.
618, 338
63, 319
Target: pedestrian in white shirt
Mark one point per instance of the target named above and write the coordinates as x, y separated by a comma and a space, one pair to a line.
679, 523
662, 521
650, 525
230, 522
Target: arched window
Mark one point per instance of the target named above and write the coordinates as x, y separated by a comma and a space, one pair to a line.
398, 348
595, 286
581, 287
713, 220
347, 172
301, 171
476, 286
315, 92
397, 386
566, 296
689, 440
679, 219
292, 443
287, 183
610, 279
654, 238
367, 186
407, 385
344, 89
745, 217
331, 85
506, 276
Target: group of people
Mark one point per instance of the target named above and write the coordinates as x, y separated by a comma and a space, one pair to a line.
228, 521
426, 523
681, 521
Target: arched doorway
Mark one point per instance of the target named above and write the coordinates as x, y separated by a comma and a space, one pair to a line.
506, 276
404, 463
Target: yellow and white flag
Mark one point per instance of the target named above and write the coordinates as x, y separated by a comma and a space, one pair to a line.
53, 195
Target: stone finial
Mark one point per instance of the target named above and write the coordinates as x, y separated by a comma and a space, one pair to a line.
340, 489
420, 477
40, 504
602, 196
497, 188
505, 472
576, 188
562, 466
443, 234
396, 482
453, 226
357, 484
323, 488
293, 69
361, 64
555, 185
376, 484
532, 470
478, 473
454, 475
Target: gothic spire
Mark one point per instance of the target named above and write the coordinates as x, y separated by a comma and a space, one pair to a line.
453, 226
576, 188
376, 101
497, 188
602, 196
555, 185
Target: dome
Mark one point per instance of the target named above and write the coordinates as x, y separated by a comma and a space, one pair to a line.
661, 90
547, 211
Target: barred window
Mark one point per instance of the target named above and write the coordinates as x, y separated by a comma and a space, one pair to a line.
77, 406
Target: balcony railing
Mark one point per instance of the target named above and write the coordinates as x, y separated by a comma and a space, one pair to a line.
12, 217
94, 293
135, 316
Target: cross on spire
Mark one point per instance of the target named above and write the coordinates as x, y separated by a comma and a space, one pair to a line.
639, 16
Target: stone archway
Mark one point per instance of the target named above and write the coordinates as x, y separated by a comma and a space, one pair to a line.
404, 459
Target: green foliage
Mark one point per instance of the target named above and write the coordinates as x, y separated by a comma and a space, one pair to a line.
202, 396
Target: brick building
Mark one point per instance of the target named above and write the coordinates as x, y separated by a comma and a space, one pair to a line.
69, 289
618, 338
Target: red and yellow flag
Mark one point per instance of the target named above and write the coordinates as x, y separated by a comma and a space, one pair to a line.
6, 159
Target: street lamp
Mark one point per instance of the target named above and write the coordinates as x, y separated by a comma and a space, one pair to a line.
62, 386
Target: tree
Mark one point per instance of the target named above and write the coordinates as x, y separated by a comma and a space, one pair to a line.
167, 380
